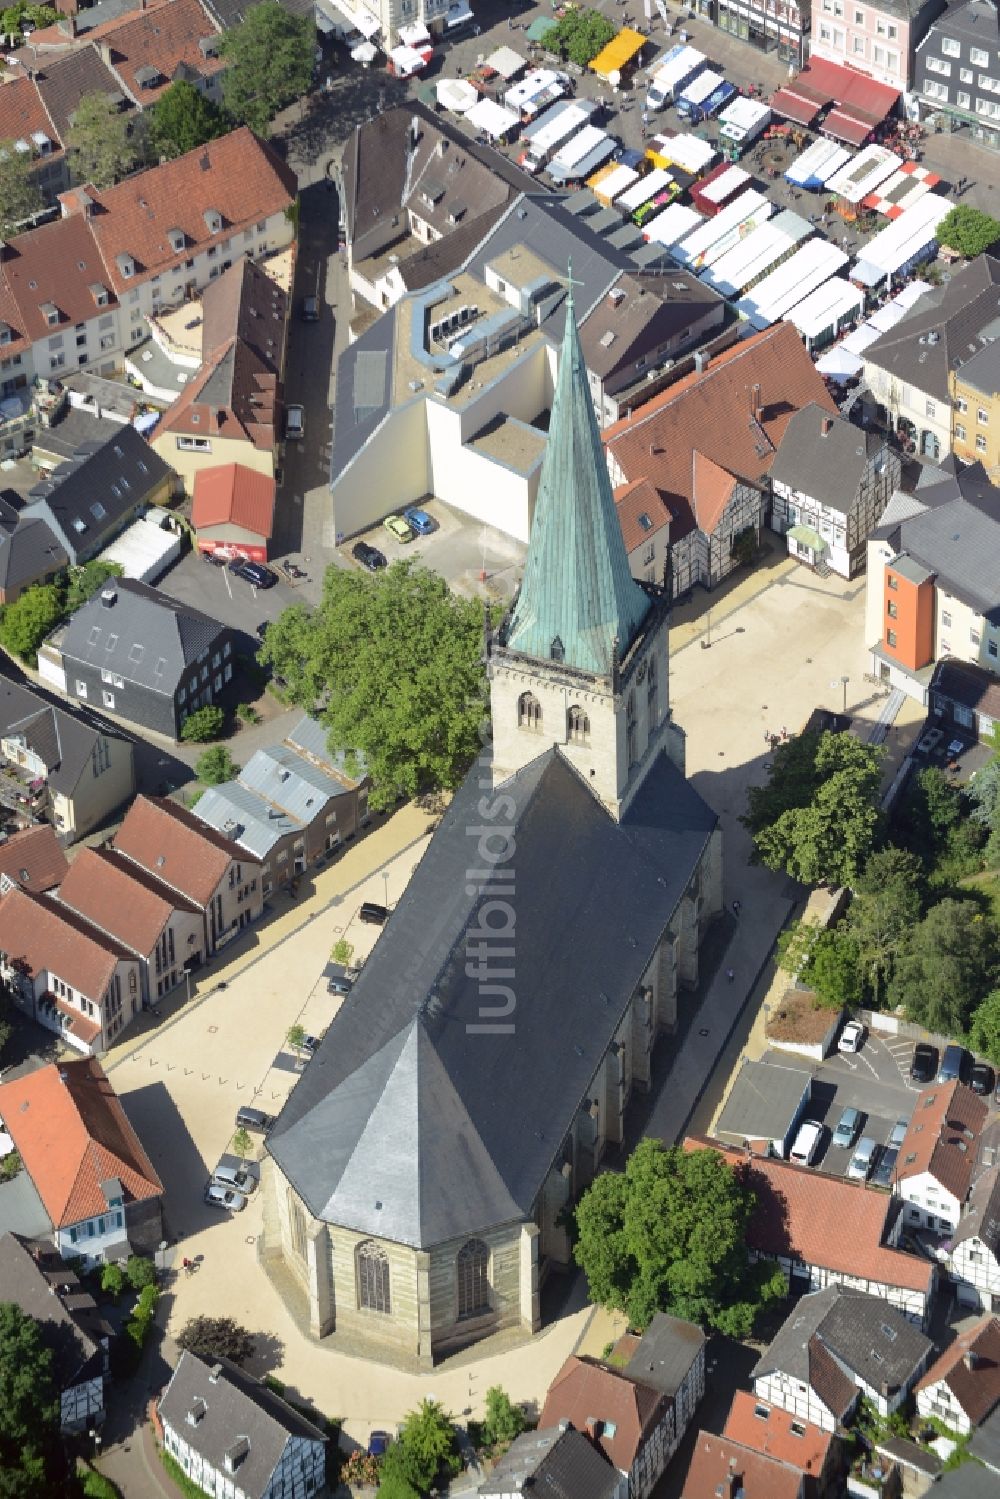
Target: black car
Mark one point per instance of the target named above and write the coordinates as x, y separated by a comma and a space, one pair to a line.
982, 1079
340, 985
368, 556
885, 1171
255, 1120
924, 1065
253, 572
373, 913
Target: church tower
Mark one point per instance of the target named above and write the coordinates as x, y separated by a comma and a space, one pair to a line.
581, 659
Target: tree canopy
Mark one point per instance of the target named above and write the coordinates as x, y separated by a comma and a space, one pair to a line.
579, 36
29, 1407
669, 1234
212, 1337
883, 913
392, 665
817, 816
968, 230
100, 141
83, 582
19, 194
426, 1445
984, 1031
503, 1420
269, 58
182, 119
216, 765
203, 724
25, 623
946, 967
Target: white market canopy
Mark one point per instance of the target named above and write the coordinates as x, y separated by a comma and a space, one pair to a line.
364, 52
406, 61
416, 35
506, 62
492, 119
456, 94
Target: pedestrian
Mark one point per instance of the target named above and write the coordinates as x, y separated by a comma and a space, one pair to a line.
784, 735
730, 974
737, 907
767, 737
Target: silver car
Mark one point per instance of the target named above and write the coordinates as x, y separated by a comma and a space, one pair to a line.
235, 1179
225, 1198
863, 1159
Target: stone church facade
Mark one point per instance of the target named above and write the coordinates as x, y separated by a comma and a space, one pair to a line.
482, 1067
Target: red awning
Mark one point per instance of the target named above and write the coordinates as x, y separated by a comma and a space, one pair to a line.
794, 106
844, 126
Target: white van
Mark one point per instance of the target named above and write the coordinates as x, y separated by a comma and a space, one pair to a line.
806, 1143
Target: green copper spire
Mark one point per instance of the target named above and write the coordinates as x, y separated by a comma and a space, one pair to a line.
578, 596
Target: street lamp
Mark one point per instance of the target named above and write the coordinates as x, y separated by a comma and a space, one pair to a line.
845, 681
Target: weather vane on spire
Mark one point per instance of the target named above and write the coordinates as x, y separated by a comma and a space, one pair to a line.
570, 281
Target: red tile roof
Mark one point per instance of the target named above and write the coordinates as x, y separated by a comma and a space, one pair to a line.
234, 395
48, 938
943, 1137
22, 112
34, 858
71, 1132
711, 413
711, 490
822, 1220
633, 501
584, 1391
58, 264
777, 1433
171, 843
164, 37
102, 888
232, 495
977, 1389
721, 1466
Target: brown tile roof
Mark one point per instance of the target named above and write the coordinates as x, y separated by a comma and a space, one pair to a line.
711, 413
633, 501
822, 1220
232, 495
47, 937
977, 1389
769, 1429
72, 1134
585, 1391
57, 263
34, 858
943, 1137
11, 315
238, 176
64, 81
171, 843
164, 37
836, 1389
103, 888
22, 112
245, 303
711, 490
234, 395
721, 1466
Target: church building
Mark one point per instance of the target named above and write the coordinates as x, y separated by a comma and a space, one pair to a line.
481, 1067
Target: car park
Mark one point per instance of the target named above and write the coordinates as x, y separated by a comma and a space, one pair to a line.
898, 1133
925, 1063
373, 913
295, 423
419, 520
398, 528
851, 1037
369, 556
806, 1143
254, 1120
847, 1128
982, 1079
885, 1171
224, 1198
863, 1159
235, 1178
954, 1064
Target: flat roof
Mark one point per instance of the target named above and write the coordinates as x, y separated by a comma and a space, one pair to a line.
762, 1102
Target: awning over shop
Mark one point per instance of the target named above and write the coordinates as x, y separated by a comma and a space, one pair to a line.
839, 363
618, 53
362, 20
859, 102
805, 536
846, 127
793, 106
506, 62
459, 14
492, 119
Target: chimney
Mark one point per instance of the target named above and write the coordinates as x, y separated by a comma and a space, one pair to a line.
67, 25
564, 1424
826, 426
701, 359
215, 1374
755, 406
109, 597
971, 1360
590, 1427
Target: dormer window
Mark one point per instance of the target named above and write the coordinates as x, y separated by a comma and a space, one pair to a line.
208, 46
50, 312
236, 1454
6, 333
213, 220
125, 264
177, 239
99, 294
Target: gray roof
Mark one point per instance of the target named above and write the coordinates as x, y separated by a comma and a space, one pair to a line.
985, 1443
941, 331
64, 743
981, 1216
552, 1464
961, 544
141, 634
982, 371
284, 778
976, 21
312, 738
402, 1123
22, 1210
910, 569
829, 466
865, 1336
243, 816
364, 390
48, 1291
235, 1405
762, 1102
666, 1352
30, 552
969, 1481
64, 81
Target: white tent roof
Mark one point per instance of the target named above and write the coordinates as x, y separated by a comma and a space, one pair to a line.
689, 152
415, 35
672, 224
364, 52
407, 60
506, 62
366, 23
492, 118
457, 95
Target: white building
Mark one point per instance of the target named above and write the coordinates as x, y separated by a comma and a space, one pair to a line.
963, 1386
974, 1261
937, 1157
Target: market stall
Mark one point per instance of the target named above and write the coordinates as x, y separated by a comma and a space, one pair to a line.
456, 95
492, 119
506, 62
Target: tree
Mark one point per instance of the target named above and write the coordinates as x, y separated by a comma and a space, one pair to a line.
984, 794
984, 1032
203, 724
87, 580
25, 623
817, 817
242, 1144
343, 951
946, 967
20, 198
217, 1337
140, 1272
296, 1035
399, 1475
669, 1234
101, 145
182, 119
113, 1280
29, 1406
216, 765
968, 230
825, 959
504, 1420
883, 913
579, 36
395, 663
13, 17
428, 1442
269, 58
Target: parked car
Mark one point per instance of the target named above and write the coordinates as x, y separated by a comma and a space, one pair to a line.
373, 913
254, 1120
295, 423
884, 1172
254, 573
851, 1037
235, 1178
310, 309
847, 1129
368, 556
954, 1064
224, 1198
924, 1064
863, 1159
898, 1133
806, 1143
339, 985
420, 521
982, 1079
398, 528
310, 1044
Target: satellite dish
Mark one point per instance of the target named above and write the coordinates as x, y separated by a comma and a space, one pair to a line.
614, 78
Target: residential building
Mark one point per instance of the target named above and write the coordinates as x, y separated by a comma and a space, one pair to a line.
290, 807
669, 1358
784, 28
94, 495
933, 586
957, 68
33, 860
233, 511
830, 483
585, 751
74, 773
879, 39
231, 1434
985, 1443
169, 843
835, 1347
25, 121
974, 1260
142, 655
775, 1432
29, 554
97, 1184
764, 1108
823, 1230
938, 1155
967, 1481
157, 925
161, 44
707, 444
550, 1463
975, 405
962, 1387
722, 1466
625, 1418
966, 696
908, 369
70, 1326
645, 523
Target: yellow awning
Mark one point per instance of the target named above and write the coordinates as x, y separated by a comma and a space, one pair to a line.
618, 53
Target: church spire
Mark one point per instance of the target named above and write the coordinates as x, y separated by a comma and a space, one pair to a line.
578, 596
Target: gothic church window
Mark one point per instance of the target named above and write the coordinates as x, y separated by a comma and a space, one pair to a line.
579, 725
631, 732
373, 1277
651, 693
473, 1265
529, 711
297, 1224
